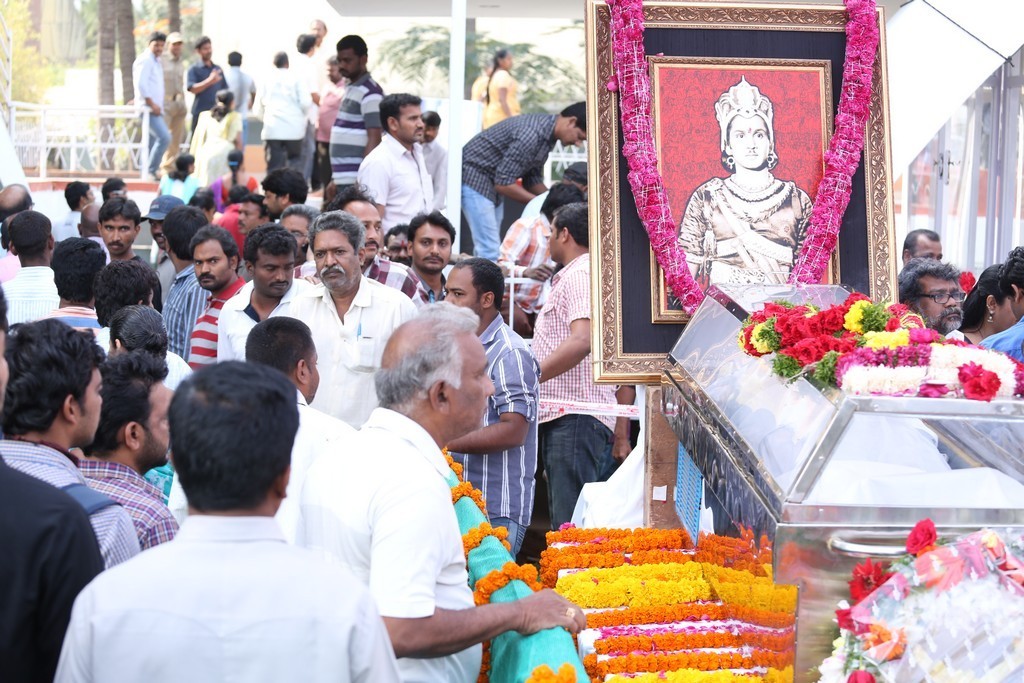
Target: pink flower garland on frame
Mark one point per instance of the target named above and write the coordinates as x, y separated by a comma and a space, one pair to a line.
632, 81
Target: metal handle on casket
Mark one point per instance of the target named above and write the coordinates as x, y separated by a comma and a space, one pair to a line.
842, 546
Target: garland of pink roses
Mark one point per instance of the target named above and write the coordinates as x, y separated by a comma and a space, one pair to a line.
632, 80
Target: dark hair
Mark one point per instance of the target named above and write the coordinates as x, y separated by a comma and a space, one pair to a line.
391, 106
218, 234
346, 195
238, 193
29, 233
917, 268
281, 60
76, 262
157, 36
499, 55
111, 185
180, 226
976, 304
203, 40
3, 311
225, 100
578, 110
573, 217
431, 119
182, 164
127, 380
914, 235
120, 206
400, 229
203, 199
74, 193
120, 284
235, 159
435, 218
270, 238
280, 343
558, 196
287, 181
255, 198
487, 277
305, 42
354, 43
233, 426
49, 361
234, 59
140, 328
1012, 271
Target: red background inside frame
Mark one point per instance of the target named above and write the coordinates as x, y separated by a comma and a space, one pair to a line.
688, 134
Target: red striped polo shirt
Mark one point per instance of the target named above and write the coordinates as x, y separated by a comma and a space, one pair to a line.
204, 334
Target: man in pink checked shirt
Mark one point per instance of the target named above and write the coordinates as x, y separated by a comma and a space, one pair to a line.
525, 254
576, 449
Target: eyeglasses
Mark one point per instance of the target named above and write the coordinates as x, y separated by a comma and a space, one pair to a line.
944, 297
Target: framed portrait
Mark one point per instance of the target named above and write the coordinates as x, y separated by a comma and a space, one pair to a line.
709, 195
735, 86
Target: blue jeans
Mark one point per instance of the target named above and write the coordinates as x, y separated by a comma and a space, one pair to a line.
159, 138
576, 450
516, 532
484, 220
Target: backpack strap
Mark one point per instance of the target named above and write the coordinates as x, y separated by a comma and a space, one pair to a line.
91, 500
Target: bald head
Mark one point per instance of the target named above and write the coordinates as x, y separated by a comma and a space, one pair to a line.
14, 199
89, 225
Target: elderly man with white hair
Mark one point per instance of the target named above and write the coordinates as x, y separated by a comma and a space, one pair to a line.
385, 512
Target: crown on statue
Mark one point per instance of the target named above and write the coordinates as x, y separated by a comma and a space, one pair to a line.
746, 100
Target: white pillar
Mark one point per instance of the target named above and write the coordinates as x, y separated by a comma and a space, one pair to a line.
456, 81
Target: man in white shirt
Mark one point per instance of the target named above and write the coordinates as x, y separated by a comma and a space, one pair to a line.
269, 255
282, 102
287, 345
394, 173
148, 75
435, 157
243, 88
243, 604
389, 518
351, 318
308, 72
32, 293
78, 195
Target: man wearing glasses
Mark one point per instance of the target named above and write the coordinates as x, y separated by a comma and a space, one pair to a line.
932, 290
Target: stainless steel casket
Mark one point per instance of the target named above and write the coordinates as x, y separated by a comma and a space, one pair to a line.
831, 478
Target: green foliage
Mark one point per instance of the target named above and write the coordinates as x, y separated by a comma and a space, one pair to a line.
32, 75
785, 366
875, 318
421, 57
151, 16
825, 370
768, 336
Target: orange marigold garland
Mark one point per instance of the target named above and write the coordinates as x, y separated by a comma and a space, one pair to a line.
696, 611
465, 490
703, 661
544, 674
673, 642
664, 538
474, 537
485, 663
499, 578
554, 560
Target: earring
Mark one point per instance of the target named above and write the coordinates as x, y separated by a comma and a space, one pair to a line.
730, 162
991, 315
772, 160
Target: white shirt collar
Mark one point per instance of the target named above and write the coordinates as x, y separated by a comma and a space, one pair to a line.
396, 148
404, 428
217, 528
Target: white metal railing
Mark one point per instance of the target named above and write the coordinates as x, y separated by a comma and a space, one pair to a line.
6, 69
561, 158
80, 139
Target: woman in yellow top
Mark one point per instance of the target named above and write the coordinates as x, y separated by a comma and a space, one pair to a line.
218, 132
500, 101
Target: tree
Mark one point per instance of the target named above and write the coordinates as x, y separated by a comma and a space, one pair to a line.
174, 15
421, 56
126, 46
31, 74
106, 37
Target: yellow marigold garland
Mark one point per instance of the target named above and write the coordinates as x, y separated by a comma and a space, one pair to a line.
499, 578
636, 586
544, 674
554, 560
694, 676
474, 537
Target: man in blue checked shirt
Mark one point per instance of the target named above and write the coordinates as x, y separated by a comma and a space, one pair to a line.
501, 457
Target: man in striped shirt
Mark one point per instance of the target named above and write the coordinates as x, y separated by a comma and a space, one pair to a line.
186, 299
76, 262
131, 439
500, 458
31, 293
215, 254
357, 130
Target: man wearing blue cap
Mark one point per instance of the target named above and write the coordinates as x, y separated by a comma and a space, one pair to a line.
165, 270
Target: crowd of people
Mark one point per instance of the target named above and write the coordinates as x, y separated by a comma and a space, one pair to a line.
269, 397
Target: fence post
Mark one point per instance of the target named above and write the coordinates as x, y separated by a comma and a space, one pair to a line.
144, 153
43, 138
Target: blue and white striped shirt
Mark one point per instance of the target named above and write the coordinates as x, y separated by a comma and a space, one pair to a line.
113, 526
507, 477
185, 303
359, 110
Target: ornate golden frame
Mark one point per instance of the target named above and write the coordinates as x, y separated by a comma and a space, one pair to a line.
612, 364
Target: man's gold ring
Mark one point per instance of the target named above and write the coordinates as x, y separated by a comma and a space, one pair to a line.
570, 612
